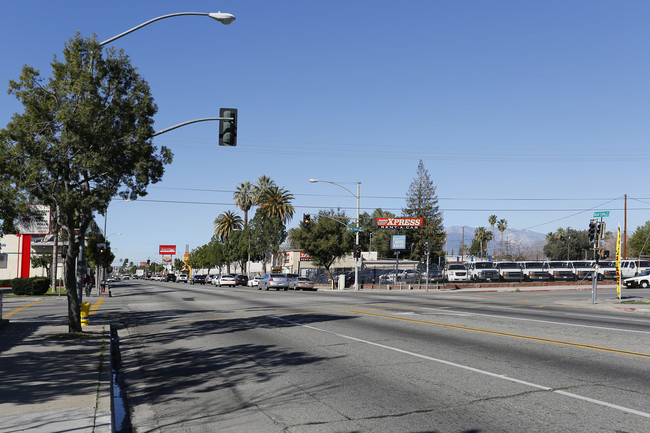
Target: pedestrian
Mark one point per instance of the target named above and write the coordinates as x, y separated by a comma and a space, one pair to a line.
86, 282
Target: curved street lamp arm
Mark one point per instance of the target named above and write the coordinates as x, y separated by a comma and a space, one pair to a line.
333, 183
224, 18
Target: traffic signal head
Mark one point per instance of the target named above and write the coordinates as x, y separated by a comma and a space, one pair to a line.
306, 221
593, 232
228, 128
357, 251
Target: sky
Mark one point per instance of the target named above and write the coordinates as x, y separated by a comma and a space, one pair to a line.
533, 111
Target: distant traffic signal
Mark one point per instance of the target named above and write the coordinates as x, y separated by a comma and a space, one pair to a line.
357, 251
306, 221
228, 128
593, 232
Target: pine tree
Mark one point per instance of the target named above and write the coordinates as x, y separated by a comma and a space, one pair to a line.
422, 202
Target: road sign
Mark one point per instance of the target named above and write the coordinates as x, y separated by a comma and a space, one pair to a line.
398, 242
355, 229
601, 214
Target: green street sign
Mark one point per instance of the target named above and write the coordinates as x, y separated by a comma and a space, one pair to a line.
601, 214
355, 229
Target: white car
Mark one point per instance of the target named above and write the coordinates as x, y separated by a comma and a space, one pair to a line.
183, 278
227, 280
456, 272
642, 280
253, 281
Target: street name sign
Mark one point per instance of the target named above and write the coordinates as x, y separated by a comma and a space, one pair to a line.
601, 214
355, 229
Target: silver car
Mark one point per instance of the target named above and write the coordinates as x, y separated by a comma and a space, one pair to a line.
274, 281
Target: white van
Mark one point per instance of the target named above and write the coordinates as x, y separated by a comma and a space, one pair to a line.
534, 271
509, 271
559, 270
583, 269
632, 268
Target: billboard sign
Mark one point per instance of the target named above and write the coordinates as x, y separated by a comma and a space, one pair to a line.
399, 223
167, 250
38, 224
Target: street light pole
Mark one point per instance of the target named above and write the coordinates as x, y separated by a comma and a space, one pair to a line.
358, 197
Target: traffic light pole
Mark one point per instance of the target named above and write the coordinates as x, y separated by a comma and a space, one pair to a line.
594, 279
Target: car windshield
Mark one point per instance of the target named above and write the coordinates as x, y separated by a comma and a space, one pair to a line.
558, 265
484, 265
277, 275
509, 265
456, 267
607, 265
644, 264
582, 264
228, 276
534, 265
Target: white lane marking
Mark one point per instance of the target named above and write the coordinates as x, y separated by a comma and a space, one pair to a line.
550, 322
472, 369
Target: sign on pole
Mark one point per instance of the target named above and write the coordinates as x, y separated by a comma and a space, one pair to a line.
38, 224
355, 229
601, 214
164, 250
398, 242
399, 223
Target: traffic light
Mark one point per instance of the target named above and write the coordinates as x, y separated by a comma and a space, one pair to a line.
64, 251
600, 234
306, 221
593, 231
427, 246
357, 251
228, 128
148, 262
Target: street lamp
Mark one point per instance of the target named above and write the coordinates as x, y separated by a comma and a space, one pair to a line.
222, 17
357, 195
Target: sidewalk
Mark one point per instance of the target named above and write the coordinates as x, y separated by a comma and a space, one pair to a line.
51, 383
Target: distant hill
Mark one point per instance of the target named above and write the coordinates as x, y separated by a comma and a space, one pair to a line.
524, 239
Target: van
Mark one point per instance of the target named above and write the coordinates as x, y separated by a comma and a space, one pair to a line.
509, 271
560, 270
456, 272
583, 269
534, 271
632, 268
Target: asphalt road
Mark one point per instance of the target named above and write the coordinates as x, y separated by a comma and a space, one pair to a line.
205, 359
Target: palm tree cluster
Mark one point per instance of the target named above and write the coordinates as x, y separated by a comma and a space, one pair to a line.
485, 236
272, 201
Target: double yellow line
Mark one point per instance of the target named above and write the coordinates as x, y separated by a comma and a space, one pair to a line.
507, 334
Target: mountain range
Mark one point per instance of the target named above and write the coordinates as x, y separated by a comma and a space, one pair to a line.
518, 239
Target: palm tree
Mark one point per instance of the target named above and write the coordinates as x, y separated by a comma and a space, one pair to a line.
480, 234
263, 183
225, 223
502, 226
492, 220
244, 199
276, 202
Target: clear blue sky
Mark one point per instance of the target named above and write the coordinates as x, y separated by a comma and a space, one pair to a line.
535, 111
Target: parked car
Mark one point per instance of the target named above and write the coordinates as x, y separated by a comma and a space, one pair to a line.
273, 281
215, 280
227, 280
434, 275
631, 268
170, 277
301, 283
241, 279
456, 272
483, 271
157, 278
253, 282
209, 278
198, 279
641, 280
182, 278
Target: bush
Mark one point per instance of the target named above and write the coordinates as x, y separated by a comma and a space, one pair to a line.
30, 286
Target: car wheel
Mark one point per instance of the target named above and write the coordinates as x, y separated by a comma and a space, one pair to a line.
644, 284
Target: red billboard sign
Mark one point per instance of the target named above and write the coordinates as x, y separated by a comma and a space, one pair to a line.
399, 223
167, 250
